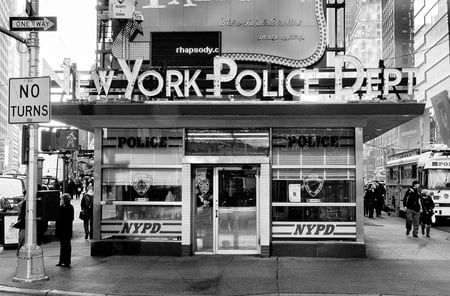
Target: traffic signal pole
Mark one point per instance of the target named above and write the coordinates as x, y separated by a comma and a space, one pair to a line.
30, 260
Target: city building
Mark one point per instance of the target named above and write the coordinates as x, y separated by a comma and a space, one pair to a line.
432, 58
215, 134
398, 51
422, 24
13, 57
364, 37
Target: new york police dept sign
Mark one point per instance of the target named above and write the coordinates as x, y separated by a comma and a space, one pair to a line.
29, 100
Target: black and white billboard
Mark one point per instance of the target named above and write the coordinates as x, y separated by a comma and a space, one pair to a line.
184, 48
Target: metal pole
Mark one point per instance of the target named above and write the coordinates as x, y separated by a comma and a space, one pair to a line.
30, 261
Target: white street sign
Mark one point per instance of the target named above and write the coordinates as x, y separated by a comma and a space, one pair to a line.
29, 100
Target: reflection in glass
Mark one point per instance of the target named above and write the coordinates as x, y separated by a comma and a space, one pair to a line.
140, 212
203, 193
439, 179
343, 214
311, 191
237, 210
227, 142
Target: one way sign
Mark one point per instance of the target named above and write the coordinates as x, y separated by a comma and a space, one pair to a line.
38, 23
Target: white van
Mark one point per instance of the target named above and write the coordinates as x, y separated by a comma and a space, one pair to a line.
13, 190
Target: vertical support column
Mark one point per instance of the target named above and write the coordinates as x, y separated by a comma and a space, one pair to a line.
30, 260
359, 184
186, 211
97, 183
265, 209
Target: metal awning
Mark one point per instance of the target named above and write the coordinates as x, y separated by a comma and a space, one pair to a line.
375, 117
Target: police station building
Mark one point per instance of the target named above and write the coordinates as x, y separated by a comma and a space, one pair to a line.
219, 131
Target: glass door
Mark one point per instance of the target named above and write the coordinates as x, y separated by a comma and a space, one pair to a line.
236, 217
204, 215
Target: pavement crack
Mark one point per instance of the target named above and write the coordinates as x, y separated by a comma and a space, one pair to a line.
277, 275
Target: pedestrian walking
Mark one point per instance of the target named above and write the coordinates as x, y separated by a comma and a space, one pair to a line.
380, 194
71, 188
87, 211
427, 212
412, 203
20, 225
64, 230
78, 188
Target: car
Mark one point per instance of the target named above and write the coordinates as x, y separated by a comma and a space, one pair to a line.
13, 190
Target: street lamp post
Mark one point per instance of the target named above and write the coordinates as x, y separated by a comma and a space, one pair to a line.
30, 260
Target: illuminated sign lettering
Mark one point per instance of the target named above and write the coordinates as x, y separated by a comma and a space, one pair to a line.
184, 83
180, 83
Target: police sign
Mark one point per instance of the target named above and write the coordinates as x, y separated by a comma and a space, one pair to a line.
29, 100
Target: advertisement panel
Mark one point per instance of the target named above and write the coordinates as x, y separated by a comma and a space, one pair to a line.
11, 234
410, 133
441, 106
285, 32
184, 48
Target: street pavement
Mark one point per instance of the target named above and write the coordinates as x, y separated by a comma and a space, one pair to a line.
396, 264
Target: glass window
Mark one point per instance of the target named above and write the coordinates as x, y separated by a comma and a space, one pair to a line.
313, 181
141, 184
142, 146
439, 179
227, 142
285, 214
313, 191
313, 146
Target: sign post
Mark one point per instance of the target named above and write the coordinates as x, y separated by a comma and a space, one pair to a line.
30, 103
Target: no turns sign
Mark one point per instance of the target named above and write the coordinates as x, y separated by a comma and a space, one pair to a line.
29, 100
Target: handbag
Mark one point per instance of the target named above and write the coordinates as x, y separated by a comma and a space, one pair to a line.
82, 215
433, 218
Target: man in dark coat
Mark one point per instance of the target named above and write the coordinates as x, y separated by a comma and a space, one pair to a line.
369, 200
380, 194
71, 187
411, 202
20, 225
64, 230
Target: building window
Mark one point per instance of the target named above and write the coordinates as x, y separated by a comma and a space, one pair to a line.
141, 184
313, 184
227, 142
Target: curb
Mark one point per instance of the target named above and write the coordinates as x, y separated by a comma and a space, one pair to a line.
36, 292
25, 291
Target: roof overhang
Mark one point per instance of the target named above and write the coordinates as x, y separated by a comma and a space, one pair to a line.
376, 118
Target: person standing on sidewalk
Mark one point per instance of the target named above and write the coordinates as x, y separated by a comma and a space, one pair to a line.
427, 213
64, 230
380, 194
369, 199
87, 211
412, 203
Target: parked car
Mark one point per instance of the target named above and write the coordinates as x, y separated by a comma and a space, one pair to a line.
13, 190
